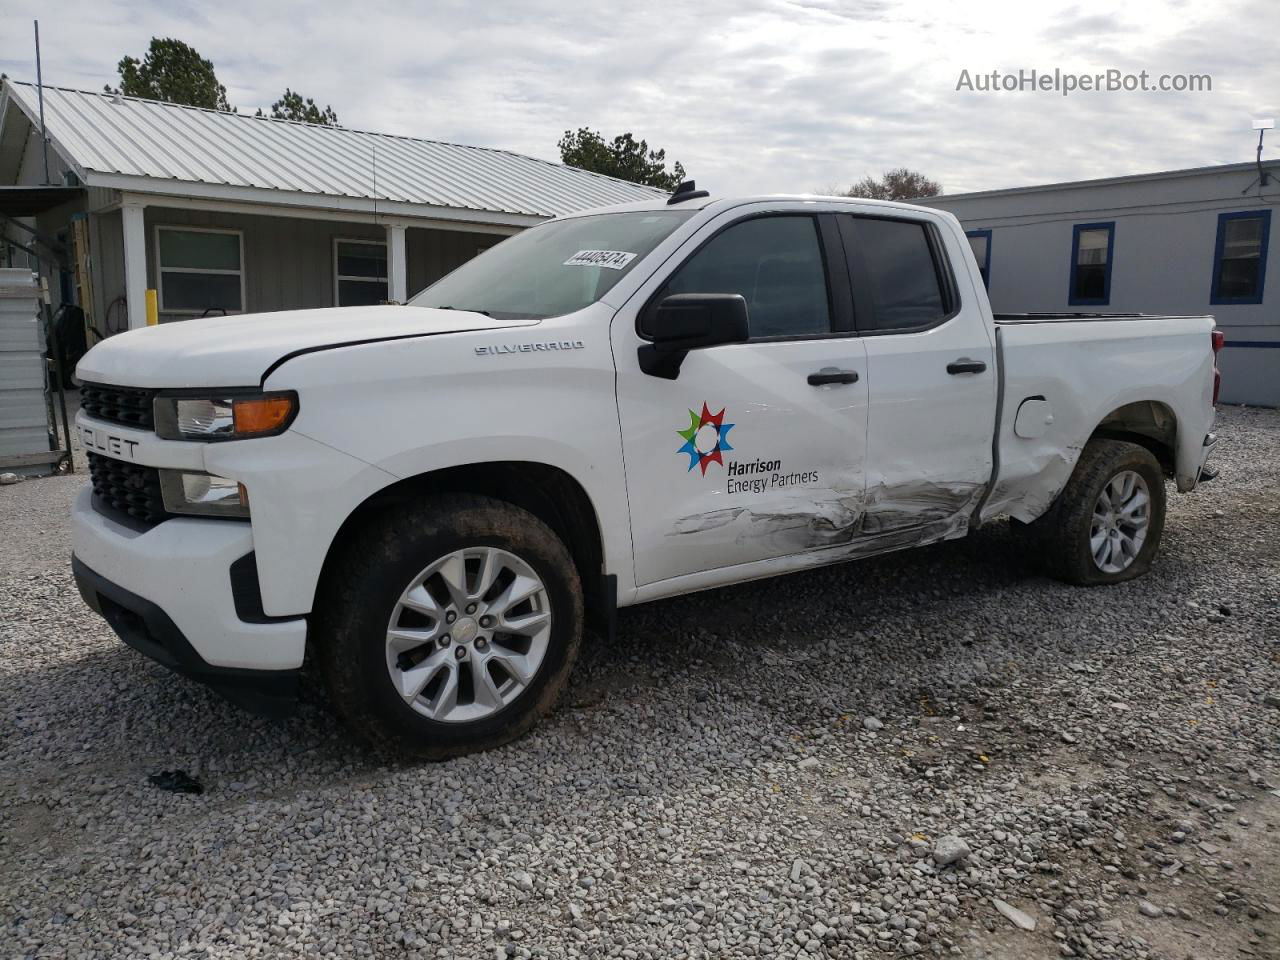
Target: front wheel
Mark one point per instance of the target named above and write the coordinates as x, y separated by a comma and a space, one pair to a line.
449, 626
1105, 526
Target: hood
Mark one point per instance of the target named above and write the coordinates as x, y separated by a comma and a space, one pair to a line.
236, 351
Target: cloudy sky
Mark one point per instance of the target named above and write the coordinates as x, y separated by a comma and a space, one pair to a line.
751, 95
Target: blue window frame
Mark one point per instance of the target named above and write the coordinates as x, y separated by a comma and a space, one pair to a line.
1092, 250
1240, 257
980, 241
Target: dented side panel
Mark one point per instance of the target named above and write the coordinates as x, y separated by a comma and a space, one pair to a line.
855, 542
927, 463
1086, 371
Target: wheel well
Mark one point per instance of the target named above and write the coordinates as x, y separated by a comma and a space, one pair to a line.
1148, 423
549, 493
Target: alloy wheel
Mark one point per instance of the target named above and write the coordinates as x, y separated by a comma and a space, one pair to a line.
1121, 518
468, 634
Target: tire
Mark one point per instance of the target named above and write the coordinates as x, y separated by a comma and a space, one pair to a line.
1065, 536
371, 617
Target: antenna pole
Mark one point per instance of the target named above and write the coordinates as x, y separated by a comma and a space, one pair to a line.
44, 139
1263, 176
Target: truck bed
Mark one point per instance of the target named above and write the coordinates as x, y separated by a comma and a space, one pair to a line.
1143, 373
1007, 318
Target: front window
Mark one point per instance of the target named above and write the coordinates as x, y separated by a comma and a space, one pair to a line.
359, 272
1240, 262
775, 264
555, 268
200, 271
1091, 253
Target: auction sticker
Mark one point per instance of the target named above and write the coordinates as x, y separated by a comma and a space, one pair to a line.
613, 259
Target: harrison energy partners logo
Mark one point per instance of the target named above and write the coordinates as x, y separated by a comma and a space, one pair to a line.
705, 439
706, 442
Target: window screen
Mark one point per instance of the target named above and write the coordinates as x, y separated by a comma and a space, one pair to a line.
775, 263
1239, 267
200, 271
894, 261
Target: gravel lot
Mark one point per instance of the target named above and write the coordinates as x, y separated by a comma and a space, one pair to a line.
907, 755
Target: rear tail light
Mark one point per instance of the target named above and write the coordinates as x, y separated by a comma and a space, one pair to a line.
1217, 339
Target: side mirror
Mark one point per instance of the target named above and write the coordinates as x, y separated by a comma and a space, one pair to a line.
689, 321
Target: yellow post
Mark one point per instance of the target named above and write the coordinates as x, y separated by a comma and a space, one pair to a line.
153, 309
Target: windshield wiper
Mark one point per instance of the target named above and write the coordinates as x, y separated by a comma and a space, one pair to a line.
467, 309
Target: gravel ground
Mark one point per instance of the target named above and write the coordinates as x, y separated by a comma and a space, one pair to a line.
918, 754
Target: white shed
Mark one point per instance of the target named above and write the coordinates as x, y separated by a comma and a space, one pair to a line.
1182, 241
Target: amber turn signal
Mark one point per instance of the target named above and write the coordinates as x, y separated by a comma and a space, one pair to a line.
264, 414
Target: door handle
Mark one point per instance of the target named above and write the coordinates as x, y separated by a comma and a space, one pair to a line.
828, 375
965, 365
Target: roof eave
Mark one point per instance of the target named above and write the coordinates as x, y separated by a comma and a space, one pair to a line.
12, 94
268, 197
1096, 182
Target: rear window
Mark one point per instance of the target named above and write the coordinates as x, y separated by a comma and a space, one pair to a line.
892, 260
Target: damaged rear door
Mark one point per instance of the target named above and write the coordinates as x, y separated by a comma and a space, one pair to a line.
754, 450
932, 370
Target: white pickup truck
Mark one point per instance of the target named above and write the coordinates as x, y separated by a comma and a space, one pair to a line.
431, 499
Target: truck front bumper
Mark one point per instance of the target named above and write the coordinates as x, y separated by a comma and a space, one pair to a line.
172, 594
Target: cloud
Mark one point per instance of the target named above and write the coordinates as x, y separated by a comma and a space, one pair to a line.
751, 95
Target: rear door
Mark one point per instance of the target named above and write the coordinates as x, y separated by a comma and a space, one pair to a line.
755, 451
931, 367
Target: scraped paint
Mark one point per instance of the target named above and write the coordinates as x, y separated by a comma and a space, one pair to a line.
885, 518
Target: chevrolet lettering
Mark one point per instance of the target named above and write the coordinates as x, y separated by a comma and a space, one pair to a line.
100, 441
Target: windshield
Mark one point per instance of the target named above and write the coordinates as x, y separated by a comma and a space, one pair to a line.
554, 268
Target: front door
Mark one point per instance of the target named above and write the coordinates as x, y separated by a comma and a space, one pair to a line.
756, 449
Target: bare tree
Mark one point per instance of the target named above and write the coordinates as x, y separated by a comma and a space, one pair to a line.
897, 184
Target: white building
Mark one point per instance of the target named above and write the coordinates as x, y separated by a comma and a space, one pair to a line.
1181, 242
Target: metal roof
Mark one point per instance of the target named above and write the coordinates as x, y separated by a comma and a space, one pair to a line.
111, 139
1246, 167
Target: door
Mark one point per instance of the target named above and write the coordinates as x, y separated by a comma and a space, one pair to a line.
755, 450
932, 378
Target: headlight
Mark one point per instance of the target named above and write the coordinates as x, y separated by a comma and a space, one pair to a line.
203, 494
231, 416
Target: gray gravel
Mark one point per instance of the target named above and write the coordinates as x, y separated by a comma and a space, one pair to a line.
1103, 763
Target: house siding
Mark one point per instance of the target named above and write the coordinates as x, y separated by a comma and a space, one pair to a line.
287, 262
433, 253
107, 270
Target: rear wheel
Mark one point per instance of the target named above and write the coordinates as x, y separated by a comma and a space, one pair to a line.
1105, 526
449, 627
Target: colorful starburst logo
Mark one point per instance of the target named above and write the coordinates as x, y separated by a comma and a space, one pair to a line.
705, 439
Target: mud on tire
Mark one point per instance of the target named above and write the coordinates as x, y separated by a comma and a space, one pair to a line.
1062, 537
363, 591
